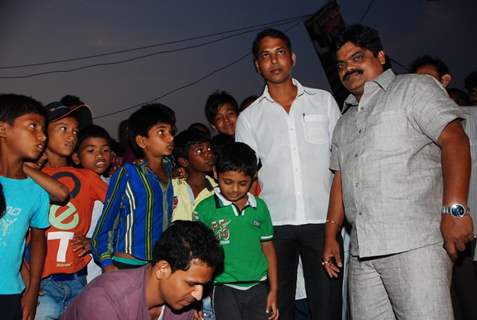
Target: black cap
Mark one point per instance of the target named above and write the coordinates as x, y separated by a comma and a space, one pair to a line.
82, 113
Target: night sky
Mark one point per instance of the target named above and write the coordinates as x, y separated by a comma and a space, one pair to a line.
39, 31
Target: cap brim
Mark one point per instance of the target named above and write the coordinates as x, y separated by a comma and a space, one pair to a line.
81, 113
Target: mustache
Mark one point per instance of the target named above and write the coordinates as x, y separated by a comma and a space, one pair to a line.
347, 74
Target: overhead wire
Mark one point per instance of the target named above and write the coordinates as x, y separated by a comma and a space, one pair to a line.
63, 60
192, 83
140, 57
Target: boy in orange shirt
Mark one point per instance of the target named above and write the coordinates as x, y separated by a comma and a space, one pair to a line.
64, 273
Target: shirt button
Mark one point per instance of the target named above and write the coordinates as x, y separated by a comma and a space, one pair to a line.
356, 184
355, 155
359, 131
360, 213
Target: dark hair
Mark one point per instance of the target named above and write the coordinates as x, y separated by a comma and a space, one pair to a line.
13, 106
216, 100
246, 102
427, 60
237, 156
185, 241
185, 140
92, 131
144, 119
201, 127
471, 81
71, 101
219, 141
459, 96
273, 33
361, 36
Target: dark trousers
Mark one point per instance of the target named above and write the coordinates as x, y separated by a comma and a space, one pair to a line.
324, 294
464, 285
234, 304
10, 307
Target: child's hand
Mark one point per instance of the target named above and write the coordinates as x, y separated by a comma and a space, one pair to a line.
272, 309
81, 245
29, 302
110, 268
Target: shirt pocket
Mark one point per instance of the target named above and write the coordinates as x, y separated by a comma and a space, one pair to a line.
315, 127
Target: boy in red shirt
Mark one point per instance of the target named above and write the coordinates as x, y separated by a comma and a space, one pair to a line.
64, 273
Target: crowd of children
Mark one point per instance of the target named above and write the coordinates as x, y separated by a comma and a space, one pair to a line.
61, 225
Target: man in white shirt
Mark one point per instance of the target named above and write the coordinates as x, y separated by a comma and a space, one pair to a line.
290, 127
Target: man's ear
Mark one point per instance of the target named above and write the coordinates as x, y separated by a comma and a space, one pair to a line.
257, 67
75, 158
3, 129
293, 57
216, 176
162, 270
382, 57
446, 79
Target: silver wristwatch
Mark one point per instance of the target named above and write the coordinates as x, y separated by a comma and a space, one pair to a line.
456, 210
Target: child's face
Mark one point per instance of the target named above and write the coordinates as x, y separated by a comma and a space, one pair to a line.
225, 120
62, 136
201, 158
26, 136
234, 186
94, 153
159, 141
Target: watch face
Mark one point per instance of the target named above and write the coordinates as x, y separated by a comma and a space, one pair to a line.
457, 210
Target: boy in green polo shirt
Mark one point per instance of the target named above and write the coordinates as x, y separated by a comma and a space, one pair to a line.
243, 226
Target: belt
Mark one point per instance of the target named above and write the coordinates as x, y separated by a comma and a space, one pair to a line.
69, 276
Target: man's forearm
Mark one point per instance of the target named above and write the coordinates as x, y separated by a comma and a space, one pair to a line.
335, 217
456, 164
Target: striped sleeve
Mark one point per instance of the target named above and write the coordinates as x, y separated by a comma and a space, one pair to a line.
102, 248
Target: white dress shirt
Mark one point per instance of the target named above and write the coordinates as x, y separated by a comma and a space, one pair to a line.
294, 149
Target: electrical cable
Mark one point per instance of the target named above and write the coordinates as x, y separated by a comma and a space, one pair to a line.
370, 4
190, 84
151, 45
140, 57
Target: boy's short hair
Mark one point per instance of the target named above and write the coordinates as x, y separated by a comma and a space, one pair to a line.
13, 106
92, 131
56, 111
185, 241
216, 100
237, 156
427, 60
141, 121
185, 140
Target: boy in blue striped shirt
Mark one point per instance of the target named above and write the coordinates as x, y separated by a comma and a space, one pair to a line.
138, 205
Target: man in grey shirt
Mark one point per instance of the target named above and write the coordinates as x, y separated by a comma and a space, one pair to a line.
402, 166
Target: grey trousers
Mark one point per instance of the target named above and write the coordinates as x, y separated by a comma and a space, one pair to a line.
407, 286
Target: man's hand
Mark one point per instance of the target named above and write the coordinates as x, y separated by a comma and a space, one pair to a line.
331, 258
272, 309
456, 233
110, 268
29, 303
